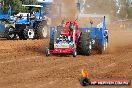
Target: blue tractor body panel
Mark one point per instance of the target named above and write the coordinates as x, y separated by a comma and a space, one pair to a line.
97, 34
22, 21
52, 29
4, 17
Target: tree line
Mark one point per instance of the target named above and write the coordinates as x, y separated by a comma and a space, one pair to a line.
126, 10
16, 5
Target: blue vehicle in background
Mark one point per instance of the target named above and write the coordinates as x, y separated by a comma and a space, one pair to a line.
34, 25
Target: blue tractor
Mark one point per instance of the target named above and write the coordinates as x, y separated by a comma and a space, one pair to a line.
35, 25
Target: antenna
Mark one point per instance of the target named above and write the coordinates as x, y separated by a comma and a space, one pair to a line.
78, 8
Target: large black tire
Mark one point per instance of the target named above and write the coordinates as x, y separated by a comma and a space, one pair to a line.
47, 52
42, 30
10, 35
84, 46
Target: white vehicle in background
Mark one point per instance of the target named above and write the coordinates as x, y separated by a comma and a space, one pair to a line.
45, 1
24, 15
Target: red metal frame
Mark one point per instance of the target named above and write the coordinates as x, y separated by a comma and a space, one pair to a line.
61, 51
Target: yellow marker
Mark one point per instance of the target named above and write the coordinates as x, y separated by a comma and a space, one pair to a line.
88, 31
85, 74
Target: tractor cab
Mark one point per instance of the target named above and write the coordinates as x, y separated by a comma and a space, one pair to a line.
34, 14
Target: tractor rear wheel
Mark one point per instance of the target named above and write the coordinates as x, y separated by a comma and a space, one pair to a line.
85, 45
42, 30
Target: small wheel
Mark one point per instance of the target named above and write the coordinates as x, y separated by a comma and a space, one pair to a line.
85, 81
74, 53
47, 52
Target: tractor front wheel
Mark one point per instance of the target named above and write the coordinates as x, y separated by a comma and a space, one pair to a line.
10, 33
47, 52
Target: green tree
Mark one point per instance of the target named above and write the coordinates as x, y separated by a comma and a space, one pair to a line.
16, 5
129, 9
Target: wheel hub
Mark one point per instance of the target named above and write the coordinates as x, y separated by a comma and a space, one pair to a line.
31, 33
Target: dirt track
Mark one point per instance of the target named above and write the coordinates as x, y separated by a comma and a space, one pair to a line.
23, 64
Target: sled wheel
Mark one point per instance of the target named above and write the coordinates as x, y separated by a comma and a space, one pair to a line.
47, 52
74, 53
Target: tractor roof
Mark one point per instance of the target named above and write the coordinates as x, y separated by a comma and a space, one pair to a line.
36, 6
